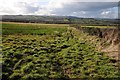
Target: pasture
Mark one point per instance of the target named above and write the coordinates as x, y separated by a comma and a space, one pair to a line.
43, 51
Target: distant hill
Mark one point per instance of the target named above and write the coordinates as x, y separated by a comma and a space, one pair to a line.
58, 20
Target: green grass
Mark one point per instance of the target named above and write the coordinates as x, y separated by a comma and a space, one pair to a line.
84, 26
64, 55
33, 29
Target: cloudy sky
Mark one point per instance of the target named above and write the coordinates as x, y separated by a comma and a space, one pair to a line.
79, 8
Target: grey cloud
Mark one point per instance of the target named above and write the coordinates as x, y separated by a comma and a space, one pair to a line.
31, 9
91, 8
28, 8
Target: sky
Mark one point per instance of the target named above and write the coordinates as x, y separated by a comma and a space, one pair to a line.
78, 8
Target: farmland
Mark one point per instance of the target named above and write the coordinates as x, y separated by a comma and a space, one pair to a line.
32, 29
43, 51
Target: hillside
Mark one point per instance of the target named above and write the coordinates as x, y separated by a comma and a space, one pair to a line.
109, 38
59, 20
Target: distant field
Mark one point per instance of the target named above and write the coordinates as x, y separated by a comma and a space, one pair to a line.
44, 51
29, 28
100, 26
80, 25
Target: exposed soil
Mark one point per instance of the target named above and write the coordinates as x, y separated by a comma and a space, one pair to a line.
112, 36
110, 39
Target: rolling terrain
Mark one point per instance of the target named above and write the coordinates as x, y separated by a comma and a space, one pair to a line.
50, 51
60, 20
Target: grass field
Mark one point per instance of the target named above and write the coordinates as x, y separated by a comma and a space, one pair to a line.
32, 29
43, 51
100, 26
